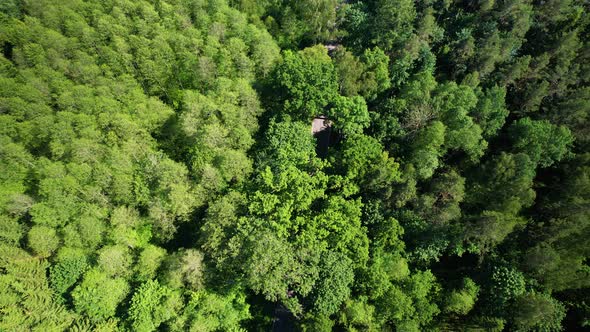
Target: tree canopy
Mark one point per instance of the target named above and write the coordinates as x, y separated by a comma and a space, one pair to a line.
159, 169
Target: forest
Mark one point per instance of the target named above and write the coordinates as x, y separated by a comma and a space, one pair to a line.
159, 170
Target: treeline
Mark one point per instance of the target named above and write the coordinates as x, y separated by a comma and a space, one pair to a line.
158, 170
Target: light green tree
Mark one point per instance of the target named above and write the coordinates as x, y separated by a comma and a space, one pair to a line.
91, 299
43, 240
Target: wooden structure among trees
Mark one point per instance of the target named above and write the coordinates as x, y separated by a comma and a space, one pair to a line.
321, 128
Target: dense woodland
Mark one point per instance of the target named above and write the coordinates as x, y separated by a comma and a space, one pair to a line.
158, 170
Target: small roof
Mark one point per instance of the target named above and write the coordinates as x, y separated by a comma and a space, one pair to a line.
320, 123
321, 128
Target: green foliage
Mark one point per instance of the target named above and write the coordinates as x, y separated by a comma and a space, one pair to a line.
158, 170
350, 72
542, 141
208, 311
491, 228
217, 129
358, 315
287, 143
426, 149
536, 311
219, 228
148, 262
185, 269
557, 258
572, 112
306, 82
43, 240
366, 165
383, 268
91, 299
294, 23
376, 77
151, 305
285, 269
11, 231
440, 201
350, 115
27, 301
490, 113
114, 260
393, 23
70, 266
505, 183
317, 323
506, 283
455, 103
367, 75
333, 286
409, 305
339, 224
461, 301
